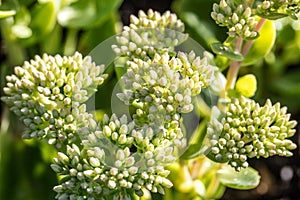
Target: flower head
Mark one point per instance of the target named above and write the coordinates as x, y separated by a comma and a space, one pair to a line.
275, 9
43, 91
115, 160
248, 130
149, 34
237, 17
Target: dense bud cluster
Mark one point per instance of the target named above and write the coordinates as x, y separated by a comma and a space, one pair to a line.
248, 130
150, 33
116, 161
43, 91
167, 82
119, 156
278, 8
237, 17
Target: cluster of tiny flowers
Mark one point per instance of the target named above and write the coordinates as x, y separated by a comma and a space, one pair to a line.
279, 8
150, 33
116, 160
249, 130
163, 88
237, 17
42, 93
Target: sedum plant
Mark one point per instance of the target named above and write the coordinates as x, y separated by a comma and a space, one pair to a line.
150, 150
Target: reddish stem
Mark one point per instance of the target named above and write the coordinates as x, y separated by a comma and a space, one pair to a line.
235, 65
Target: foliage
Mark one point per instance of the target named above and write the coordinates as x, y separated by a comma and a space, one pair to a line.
150, 151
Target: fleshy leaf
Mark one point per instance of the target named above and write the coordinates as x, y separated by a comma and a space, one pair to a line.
247, 85
273, 16
226, 51
247, 178
6, 13
262, 45
195, 148
94, 12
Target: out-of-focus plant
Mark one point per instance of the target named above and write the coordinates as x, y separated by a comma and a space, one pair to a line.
119, 158
35, 27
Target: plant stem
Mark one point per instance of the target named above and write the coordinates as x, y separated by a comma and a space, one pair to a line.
235, 65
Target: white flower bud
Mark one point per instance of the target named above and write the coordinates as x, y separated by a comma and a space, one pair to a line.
63, 158
107, 131
133, 170
94, 162
114, 136
112, 184
129, 161
113, 171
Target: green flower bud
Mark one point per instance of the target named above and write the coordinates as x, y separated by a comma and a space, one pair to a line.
258, 136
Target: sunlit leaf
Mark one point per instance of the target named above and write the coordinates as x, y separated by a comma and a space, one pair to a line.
8, 13
262, 45
94, 12
222, 62
72, 16
247, 85
247, 178
43, 19
226, 51
21, 31
23, 16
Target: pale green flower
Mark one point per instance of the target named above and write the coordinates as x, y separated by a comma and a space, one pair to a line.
115, 161
237, 18
43, 91
150, 33
248, 130
275, 9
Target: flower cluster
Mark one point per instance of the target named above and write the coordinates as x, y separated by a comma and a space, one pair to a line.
43, 91
237, 17
162, 89
118, 157
116, 161
150, 33
278, 8
248, 130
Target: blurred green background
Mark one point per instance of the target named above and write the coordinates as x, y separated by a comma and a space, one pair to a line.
66, 26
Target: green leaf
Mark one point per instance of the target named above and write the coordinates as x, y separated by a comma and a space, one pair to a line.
22, 16
94, 36
222, 62
193, 151
247, 85
43, 19
86, 13
262, 45
199, 26
247, 178
78, 15
21, 31
226, 51
6, 13
273, 16
195, 148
